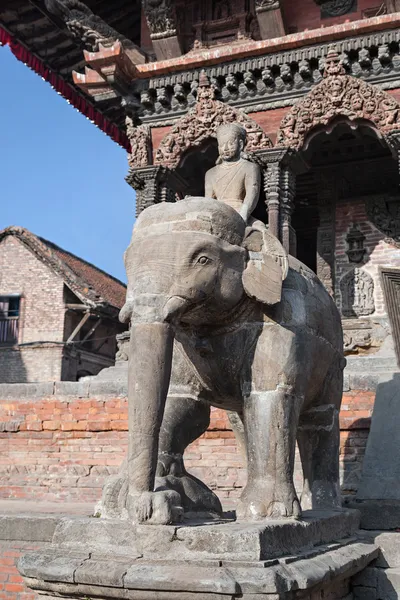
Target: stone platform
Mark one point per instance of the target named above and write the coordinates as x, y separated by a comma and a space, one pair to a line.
95, 558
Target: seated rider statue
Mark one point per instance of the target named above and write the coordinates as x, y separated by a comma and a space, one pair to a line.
234, 180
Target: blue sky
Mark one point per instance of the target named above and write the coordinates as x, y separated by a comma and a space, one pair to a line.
61, 177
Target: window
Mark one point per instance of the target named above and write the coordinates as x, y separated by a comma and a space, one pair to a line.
9, 319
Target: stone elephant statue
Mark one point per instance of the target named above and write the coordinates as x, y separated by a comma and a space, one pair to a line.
220, 316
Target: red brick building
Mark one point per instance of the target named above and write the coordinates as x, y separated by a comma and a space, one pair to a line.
58, 313
316, 83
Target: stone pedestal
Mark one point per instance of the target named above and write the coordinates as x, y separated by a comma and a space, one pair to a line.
101, 558
378, 496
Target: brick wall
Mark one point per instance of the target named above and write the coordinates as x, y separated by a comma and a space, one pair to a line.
59, 447
41, 314
12, 586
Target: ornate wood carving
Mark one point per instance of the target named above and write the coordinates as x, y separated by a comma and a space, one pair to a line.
140, 140
85, 26
201, 123
161, 19
384, 212
264, 5
336, 8
338, 95
391, 290
357, 290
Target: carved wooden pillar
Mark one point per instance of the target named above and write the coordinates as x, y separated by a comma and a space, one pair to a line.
288, 191
269, 18
272, 186
326, 230
154, 184
161, 19
280, 167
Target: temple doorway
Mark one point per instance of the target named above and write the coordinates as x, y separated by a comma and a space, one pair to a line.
349, 162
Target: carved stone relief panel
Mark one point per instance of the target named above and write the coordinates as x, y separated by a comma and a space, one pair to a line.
357, 335
357, 291
384, 212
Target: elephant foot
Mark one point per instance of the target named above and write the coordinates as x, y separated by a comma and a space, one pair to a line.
195, 495
162, 507
264, 500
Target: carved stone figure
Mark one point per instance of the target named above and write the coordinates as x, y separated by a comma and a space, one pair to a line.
234, 180
217, 320
357, 289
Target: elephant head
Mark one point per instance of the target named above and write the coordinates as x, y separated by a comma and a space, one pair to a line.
190, 263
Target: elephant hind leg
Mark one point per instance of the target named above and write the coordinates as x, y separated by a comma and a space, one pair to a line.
319, 440
185, 420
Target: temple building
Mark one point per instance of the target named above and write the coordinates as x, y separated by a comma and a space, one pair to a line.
58, 313
316, 85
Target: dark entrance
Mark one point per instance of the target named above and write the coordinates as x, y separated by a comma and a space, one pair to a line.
346, 160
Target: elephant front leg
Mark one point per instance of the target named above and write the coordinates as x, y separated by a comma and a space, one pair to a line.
148, 381
270, 420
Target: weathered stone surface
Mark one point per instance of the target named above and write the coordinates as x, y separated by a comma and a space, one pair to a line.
28, 528
381, 469
389, 544
179, 580
77, 389
378, 514
96, 534
108, 572
227, 541
51, 566
26, 390
382, 583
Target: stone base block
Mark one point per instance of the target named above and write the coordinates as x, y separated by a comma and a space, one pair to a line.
378, 514
220, 560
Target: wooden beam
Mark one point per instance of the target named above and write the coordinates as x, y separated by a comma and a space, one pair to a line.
92, 330
78, 327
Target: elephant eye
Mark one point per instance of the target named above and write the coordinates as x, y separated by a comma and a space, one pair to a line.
203, 260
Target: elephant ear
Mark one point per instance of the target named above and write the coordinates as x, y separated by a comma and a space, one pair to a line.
267, 266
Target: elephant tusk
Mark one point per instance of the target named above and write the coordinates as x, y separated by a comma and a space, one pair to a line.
173, 309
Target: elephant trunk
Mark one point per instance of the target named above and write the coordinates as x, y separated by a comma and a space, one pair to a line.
149, 375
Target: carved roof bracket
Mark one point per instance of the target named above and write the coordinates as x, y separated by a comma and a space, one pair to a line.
89, 29
338, 95
110, 72
161, 19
